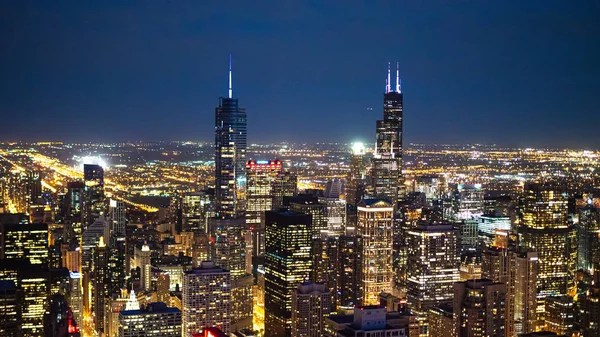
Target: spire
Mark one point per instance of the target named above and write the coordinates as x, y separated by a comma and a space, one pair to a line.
389, 82
230, 86
398, 88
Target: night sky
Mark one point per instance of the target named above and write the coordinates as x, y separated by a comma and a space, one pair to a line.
523, 73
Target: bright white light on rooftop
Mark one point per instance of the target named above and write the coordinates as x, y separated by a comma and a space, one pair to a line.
358, 148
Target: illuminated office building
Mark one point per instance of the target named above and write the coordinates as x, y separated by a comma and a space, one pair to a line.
309, 204
431, 186
75, 296
58, 320
71, 259
356, 179
10, 309
153, 320
335, 213
118, 263
489, 224
387, 161
101, 281
194, 211
262, 176
559, 314
287, 264
230, 158
432, 268
74, 210
116, 216
368, 321
479, 308
286, 185
93, 206
375, 226
590, 308
588, 238
469, 201
311, 303
142, 259
30, 241
206, 298
544, 228
35, 291
349, 271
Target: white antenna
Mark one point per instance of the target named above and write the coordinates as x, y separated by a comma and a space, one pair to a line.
230, 86
389, 82
398, 89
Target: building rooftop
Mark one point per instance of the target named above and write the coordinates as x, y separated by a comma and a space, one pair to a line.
152, 308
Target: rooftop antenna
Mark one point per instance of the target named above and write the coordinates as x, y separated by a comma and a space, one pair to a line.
398, 88
389, 82
230, 87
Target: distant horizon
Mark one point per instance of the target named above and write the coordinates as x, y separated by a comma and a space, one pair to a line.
370, 144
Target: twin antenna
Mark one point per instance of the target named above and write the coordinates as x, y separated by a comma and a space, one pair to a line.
388, 83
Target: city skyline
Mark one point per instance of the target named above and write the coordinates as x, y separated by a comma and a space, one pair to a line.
462, 67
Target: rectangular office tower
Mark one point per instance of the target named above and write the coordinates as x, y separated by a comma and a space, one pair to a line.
152, 320
230, 156
387, 160
479, 308
262, 175
375, 226
432, 268
544, 228
206, 298
93, 204
287, 264
18, 241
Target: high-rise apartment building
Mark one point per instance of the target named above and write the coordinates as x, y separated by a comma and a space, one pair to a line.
287, 263
432, 268
206, 298
387, 160
480, 308
116, 217
230, 158
375, 226
311, 303
142, 259
75, 294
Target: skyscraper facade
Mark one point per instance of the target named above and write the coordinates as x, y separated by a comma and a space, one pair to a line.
479, 308
311, 303
544, 227
93, 205
387, 161
375, 226
432, 268
206, 298
230, 158
287, 264
262, 175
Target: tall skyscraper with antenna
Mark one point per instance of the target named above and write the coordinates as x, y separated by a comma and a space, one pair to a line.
387, 162
230, 157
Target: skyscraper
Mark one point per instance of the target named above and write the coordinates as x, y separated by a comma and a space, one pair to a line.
116, 217
349, 271
355, 183
479, 308
375, 226
432, 268
544, 227
206, 298
311, 303
387, 161
230, 158
93, 205
262, 175
101, 282
29, 241
142, 260
287, 264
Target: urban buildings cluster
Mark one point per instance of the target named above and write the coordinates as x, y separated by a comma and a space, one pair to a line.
240, 239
